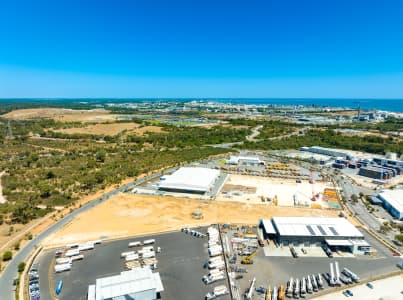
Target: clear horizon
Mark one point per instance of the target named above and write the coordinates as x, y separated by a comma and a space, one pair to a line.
266, 49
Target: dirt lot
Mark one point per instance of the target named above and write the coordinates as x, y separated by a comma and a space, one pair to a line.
250, 189
111, 129
126, 215
61, 114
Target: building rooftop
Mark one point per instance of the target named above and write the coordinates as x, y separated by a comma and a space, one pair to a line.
323, 227
138, 280
193, 179
394, 198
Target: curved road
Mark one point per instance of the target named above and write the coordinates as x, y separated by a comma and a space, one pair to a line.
8, 275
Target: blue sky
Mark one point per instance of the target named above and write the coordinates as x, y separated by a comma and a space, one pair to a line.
311, 48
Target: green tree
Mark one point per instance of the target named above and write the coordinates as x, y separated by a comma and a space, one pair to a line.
21, 267
399, 238
7, 255
17, 246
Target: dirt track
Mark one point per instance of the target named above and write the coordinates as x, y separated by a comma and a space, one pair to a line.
126, 215
61, 114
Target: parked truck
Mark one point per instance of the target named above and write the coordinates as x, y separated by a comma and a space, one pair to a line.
281, 292
135, 244
296, 289
319, 281
72, 252
303, 287
63, 260
290, 287
127, 253
309, 287
62, 268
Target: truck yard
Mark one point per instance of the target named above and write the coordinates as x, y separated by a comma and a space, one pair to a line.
251, 265
180, 263
199, 258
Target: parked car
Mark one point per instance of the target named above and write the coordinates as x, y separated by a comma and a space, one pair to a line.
369, 284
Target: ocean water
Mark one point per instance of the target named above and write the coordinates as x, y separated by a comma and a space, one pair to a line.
395, 105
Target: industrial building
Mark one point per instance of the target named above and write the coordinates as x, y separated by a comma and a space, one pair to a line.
336, 233
376, 172
138, 283
325, 151
245, 160
393, 202
189, 180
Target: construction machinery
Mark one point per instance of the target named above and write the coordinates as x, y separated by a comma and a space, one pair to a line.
248, 260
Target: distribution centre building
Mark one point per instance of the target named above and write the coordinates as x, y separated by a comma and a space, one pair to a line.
138, 283
306, 232
393, 202
190, 180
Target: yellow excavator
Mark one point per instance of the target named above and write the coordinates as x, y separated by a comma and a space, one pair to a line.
248, 260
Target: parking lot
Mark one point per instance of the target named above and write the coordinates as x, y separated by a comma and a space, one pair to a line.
180, 265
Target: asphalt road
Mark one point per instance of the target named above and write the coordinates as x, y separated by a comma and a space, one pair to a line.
371, 221
6, 279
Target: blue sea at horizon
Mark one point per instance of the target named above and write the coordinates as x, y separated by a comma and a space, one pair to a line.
393, 105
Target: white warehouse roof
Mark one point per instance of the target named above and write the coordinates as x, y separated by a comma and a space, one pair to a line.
237, 159
128, 283
190, 179
322, 227
394, 198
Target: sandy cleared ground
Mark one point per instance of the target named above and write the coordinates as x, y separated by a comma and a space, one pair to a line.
61, 114
387, 289
111, 129
127, 215
270, 187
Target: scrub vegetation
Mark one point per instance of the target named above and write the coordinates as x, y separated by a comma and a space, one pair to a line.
45, 170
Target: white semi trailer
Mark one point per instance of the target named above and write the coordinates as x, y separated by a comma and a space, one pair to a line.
303, 287
309, 287
296, 289
72, 252
290, 287
62, 268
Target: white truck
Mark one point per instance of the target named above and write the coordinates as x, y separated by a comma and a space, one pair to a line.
135, 244
127, 253
77, 257
215, 258
86, 246
72, 252
132, 257
220, 290
63, 260
216, 265
148, 254
217, 292
62, 267
149, 242
214, 278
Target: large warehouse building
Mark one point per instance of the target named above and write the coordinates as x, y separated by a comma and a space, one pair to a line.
190, 180
139, 283
301, 231
393, 202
